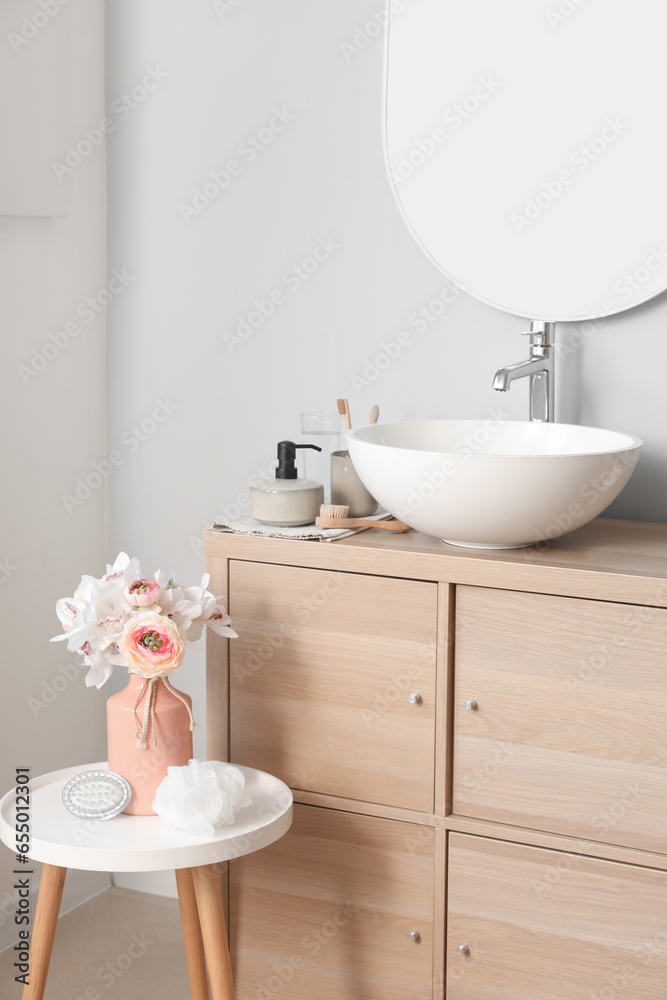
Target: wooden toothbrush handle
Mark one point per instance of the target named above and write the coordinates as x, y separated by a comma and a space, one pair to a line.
387, 525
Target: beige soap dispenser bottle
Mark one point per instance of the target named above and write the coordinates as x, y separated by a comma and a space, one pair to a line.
286, 501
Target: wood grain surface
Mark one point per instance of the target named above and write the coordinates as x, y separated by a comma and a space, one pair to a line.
540, 925
321, 677
570, 730
326, 911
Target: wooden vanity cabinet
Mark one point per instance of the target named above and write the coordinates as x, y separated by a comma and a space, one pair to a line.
328, 911
569, 729
476, 746
547, 925
321, 678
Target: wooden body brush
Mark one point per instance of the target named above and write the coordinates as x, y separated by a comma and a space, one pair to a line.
335, 516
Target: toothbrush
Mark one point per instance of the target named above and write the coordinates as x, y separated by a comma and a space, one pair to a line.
344, 410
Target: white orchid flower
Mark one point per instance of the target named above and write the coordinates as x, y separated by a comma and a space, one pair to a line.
200, 593
213, 613
116, 577
165, 577
103, 618
218, 620
100, 665
69, 610
182, 611
123, 572
81, 629
124, 569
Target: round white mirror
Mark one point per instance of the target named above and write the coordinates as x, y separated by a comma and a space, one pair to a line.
527, 147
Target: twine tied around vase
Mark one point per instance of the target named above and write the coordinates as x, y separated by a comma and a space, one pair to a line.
149, 711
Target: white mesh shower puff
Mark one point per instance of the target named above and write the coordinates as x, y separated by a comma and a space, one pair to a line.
201, 796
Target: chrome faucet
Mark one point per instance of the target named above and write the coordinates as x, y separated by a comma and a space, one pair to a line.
540, 367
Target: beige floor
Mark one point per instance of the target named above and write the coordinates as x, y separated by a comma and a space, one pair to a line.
121, 945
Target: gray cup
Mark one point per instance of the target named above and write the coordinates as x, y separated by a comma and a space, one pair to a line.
347, 488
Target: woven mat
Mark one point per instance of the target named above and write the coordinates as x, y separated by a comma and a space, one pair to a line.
307, 532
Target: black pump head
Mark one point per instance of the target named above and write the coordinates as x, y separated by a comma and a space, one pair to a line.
287, 457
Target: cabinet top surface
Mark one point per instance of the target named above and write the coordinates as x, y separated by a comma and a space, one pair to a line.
607, 559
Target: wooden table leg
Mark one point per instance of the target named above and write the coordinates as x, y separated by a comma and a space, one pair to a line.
194, 946
214, 933
44, 929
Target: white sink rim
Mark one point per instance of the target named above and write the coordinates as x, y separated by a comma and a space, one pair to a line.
617, 441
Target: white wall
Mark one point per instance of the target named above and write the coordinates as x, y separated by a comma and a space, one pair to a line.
231, 66
53, 431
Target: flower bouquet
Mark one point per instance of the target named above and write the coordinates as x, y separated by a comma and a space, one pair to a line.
144, 624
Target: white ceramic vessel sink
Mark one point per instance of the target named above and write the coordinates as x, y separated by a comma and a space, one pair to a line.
493, 484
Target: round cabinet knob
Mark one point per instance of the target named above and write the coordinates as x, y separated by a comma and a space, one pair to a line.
470, 705
463, 949
415, 699
414, 936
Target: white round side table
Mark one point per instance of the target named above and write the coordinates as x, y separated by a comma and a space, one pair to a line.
145, 843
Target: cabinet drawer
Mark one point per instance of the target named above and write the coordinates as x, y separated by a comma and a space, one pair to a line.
326, 911
570, 726
321, 677
542, 925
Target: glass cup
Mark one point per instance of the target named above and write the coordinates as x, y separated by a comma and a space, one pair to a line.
320, 427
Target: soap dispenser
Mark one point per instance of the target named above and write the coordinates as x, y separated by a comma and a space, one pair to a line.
286, 501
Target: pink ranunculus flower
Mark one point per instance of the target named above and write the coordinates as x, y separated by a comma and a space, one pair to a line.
151, 645
142, 592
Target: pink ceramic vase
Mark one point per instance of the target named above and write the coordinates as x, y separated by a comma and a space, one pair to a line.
168, 738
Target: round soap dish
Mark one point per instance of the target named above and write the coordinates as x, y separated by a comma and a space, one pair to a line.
96, 794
